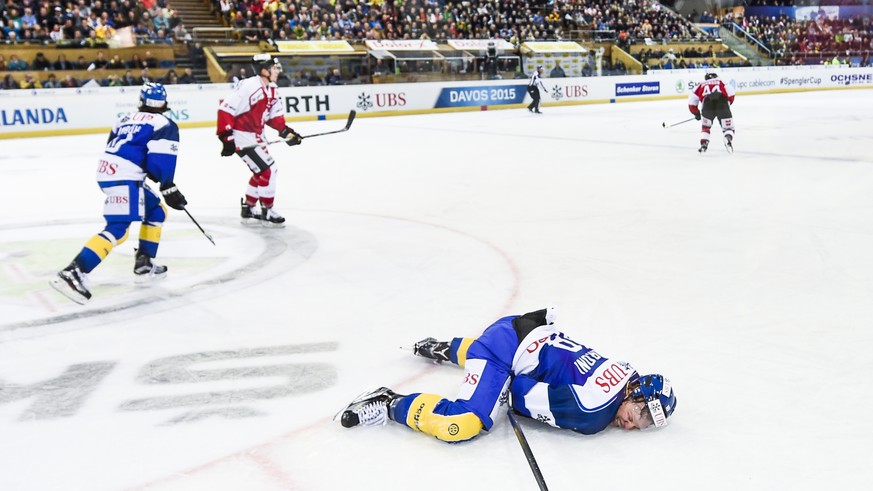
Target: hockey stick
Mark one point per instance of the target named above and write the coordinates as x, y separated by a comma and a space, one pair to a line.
532, 462
348, 125
352, 114
198, 225
664, 124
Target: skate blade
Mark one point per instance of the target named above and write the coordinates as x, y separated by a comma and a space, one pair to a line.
356, 400
64, 289
251, 222
729, 147
145, 279
267, 224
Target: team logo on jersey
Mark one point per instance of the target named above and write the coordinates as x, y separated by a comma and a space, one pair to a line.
364, 102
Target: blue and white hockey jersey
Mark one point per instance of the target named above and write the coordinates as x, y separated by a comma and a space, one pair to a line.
140, 145
565, 384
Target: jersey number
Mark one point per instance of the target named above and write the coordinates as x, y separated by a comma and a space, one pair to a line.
116, 143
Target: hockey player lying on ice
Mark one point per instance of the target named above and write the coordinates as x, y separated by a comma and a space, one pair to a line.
549, 377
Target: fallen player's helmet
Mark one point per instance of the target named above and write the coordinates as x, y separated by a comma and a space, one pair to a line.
657, 393
709, 76
263, 61
153, 95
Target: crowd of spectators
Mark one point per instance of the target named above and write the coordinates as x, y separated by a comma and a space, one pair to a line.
92, 22
691, 57
87, 23
815, 41
516, 21
513, 20
41, 62
129, 78
800, 3
138, 70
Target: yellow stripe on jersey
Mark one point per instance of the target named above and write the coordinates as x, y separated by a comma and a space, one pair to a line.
150, 233
462, 350
124, 237
455, 428
99, 245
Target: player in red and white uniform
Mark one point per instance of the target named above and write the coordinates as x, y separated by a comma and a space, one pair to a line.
242, 117
717, 98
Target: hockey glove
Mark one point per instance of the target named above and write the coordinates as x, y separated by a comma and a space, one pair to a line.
229, 147
697, 116
290, 136
173, 197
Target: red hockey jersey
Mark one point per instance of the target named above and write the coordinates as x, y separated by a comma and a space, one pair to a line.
252, 105
708, 87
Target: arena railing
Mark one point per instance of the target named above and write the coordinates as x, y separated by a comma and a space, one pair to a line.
743, 34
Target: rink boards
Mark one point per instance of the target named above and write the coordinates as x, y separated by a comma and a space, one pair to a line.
45, 112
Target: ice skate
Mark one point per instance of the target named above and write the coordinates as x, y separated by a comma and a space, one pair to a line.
438, 351
145, 270
368, 409
72, 283
703, 146
248, 215
271, 219
728, 143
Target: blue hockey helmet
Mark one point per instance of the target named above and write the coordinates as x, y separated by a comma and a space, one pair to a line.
657, 392
153, 95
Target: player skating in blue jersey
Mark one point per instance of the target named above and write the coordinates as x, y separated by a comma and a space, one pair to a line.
550, 378
142, 144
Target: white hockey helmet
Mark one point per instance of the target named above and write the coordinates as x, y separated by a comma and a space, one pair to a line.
264, 61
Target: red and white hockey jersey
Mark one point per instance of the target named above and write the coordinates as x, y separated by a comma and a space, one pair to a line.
708, 87
253, 105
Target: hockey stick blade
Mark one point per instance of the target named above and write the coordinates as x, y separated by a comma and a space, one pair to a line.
348, 125
209, 237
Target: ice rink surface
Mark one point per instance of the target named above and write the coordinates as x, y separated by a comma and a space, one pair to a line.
746, 279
